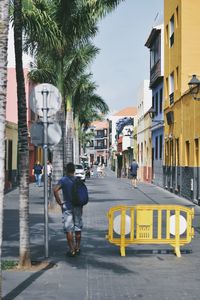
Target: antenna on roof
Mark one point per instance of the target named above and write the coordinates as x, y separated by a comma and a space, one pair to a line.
156, 17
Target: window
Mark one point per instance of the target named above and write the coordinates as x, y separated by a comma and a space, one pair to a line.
141, 152
196, 149
161, 99
156, 152
187, 153
177, 78
156, 108
177, 153
154, 54
167, 153
171, 28
166, 88
161, 146
171, 152
100, 144
153, 102
171, 88
167, 34
177, 16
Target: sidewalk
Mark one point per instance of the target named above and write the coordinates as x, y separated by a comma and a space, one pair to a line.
99, 272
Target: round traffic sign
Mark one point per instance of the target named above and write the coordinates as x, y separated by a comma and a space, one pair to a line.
54, 99
36, 132
54, 133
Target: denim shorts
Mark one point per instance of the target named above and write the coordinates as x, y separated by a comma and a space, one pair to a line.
72, 219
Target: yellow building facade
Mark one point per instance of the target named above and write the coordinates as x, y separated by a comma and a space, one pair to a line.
182, 113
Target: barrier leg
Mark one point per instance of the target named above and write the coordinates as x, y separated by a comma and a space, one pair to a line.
177, 251
122, 251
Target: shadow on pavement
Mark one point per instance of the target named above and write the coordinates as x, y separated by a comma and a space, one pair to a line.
22, 286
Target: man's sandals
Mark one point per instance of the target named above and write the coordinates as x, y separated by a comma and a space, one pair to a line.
73, 253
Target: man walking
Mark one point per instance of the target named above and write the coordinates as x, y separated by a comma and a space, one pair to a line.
37, 172
133, 171
71, 216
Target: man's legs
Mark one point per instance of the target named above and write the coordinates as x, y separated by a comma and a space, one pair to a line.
78, 240
70, 240
68, 226
36, 179
78, 224
135, 181
39, 179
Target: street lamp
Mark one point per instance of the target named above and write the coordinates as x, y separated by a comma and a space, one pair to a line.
194, 86
152, 114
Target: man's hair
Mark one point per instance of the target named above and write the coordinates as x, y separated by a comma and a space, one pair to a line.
134, 159
70, 168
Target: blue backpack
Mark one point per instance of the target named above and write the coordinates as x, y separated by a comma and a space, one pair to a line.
79, 193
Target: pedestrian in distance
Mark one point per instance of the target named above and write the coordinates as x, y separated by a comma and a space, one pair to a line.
49, 168
133, 172
49, 174
99, 170
71, 215
37, 172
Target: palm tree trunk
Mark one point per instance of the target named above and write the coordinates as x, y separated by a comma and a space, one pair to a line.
58, 150
69, 130
58, 162
4, 23
76, 140
23, 151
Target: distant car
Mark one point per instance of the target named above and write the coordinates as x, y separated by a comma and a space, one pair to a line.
80, 172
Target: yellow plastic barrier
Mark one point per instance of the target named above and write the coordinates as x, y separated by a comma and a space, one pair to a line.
150, 224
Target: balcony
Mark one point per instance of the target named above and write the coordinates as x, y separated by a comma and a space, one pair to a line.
155, 73
101, 147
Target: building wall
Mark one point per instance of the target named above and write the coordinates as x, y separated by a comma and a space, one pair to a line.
147, 151
144, 103
12, 113
157, 132
182, 136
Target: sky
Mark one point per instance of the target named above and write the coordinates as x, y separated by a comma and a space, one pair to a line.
123, 61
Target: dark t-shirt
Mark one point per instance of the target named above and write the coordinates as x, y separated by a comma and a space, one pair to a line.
38, 169
134, 167
66, 183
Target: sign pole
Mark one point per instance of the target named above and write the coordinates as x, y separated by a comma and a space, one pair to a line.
45, 153
51, 135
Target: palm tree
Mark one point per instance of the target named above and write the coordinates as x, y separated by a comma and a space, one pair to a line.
30, 24
89, 13
4, 21
88, 105
23, 151
76, 20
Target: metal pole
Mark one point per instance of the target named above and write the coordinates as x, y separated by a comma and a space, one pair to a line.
45, 147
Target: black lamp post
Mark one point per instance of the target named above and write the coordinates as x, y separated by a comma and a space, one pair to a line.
194, 86
152, 113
